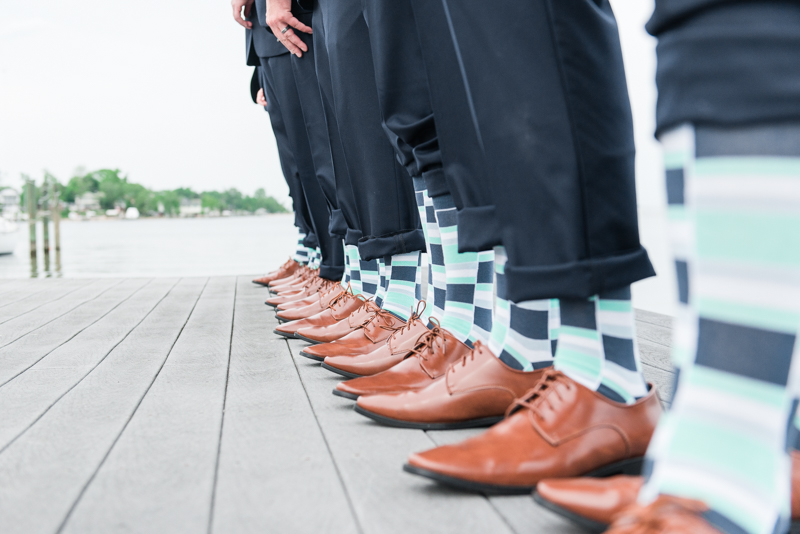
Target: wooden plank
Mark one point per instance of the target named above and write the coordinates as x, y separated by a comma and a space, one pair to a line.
658, 319
660, 335
370, 457
29, 349
159, 476
42, 297
27, 397
14, 329
274, 463
44, 472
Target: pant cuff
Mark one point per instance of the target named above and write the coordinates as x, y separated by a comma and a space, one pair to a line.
370, 248
337, 226
311, 241
435, 183
478, 229
331, 272
352, 237
580, 279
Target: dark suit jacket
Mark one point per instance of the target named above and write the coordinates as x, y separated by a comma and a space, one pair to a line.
259, 41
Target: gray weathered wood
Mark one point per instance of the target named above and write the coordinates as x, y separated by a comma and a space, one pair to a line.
275, 470
28, 396
13, 329
32, 346
159, 476
370, 457
42, 297
45, 471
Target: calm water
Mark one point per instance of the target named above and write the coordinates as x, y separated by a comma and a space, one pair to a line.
243, 245
162, 247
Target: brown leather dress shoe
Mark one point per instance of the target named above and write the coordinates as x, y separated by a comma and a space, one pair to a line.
557, 429
594, 502
327, 334
324, 291
360, 341
474, 392
665, 515
287, 269
301, 283
295, 276
310, 291
324, 299
430, 359
395, 350
339, 309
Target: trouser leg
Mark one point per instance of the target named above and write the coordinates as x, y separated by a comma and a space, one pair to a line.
556, 128
383, 190
286, 94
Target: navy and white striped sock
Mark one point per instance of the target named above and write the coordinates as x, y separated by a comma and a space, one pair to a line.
370, 277
400, 294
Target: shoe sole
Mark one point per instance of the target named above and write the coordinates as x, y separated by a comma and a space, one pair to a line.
590, 525
340, 372
309, 340
345, 394
311, 356
260, 284
271, 305
632, 466
388, 421
283, 334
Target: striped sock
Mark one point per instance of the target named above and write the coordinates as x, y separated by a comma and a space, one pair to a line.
355, 268
346, 275
301, 252
370, 277
402, 284
596, 346
437, 279
380, 292
520, 331
461, 273
484, 298
735, 221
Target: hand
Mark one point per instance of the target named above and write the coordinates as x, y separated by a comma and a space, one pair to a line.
237, 12
260, 99
279, 16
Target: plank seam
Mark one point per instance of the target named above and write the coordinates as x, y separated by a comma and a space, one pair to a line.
224, 405
123, 301
133, 413
65, 295
36, 420
327, 445
60, 316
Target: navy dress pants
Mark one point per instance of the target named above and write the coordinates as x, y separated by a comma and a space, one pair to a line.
547, 84
283, 89
302, 219
383, 190
345, 221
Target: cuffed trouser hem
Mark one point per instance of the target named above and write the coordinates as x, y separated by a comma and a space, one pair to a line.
370, 248
337, 226
311, 241
333, 273
478, 229
435, 183
352, 237
576, 280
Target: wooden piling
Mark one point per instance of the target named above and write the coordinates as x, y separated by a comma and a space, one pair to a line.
30, 195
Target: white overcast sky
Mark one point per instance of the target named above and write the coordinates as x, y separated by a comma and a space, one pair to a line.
160, 90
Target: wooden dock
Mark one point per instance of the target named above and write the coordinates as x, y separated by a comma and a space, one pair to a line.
169, 406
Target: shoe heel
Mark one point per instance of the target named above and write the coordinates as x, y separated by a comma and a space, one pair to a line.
632, 466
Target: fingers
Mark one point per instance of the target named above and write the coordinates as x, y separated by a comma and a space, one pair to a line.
291, 47
295, 40
237, 15
296, 24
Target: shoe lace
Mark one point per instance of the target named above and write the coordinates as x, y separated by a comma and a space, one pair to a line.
345, 295
415, 316
386, 317
539, 395
425, 343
